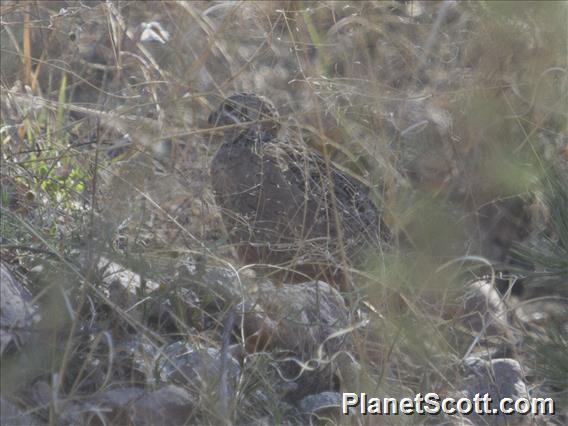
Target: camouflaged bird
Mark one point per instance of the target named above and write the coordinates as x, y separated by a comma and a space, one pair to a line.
283, 206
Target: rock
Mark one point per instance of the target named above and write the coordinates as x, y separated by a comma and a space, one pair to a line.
302, 318
127, 290
17, 313
500, 378
309, 323
117, 275
478, 320
326, 404
214, 285
204, 370
483, 310
11, 415
199, 367
223, 283
170, 405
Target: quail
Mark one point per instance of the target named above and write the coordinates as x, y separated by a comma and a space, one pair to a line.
286, 208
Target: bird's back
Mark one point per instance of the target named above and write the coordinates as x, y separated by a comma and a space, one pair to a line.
284, 206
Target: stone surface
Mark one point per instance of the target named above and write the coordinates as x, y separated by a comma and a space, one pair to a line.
500, 378
17, 313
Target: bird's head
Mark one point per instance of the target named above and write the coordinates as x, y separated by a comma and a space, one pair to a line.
245, 113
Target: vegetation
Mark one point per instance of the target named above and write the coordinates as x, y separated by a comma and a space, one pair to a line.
452, 113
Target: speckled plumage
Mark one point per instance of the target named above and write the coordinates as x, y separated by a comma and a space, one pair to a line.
281, 204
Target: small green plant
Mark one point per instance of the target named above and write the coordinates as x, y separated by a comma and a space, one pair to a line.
548, 255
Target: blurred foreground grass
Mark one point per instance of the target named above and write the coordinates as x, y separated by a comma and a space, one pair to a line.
454, 113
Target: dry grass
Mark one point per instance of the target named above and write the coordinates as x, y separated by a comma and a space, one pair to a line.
450, 112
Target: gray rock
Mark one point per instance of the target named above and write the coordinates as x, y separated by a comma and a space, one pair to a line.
170, 405
301, 318
17, 313
184, 363
199, 367
310, 326
483, 310
325, 403
11, 415
500, 378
